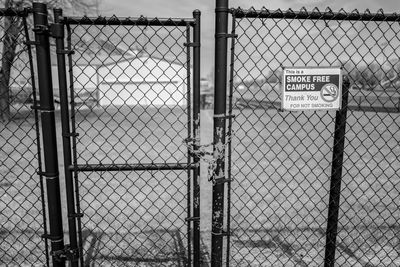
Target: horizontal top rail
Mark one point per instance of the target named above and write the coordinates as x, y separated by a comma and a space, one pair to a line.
315, 14
9, 12
131, 167
140, 21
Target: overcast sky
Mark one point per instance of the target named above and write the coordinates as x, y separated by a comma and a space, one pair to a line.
184, 8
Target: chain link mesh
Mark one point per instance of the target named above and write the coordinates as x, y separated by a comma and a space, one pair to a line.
281, 161
21, 189
132, 108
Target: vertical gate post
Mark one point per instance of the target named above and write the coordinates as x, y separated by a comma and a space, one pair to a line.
57, 32
336, 178
220, 92
49, 132
196, 147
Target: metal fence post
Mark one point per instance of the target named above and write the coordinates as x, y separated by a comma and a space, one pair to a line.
58, 34
336, 178
196, 130
49, 132
220, 91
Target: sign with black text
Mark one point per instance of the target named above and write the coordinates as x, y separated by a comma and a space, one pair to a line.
312, 88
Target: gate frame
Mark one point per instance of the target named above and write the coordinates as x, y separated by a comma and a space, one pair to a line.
72, 168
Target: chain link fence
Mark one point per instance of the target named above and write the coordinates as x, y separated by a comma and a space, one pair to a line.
131, 114
135, 144
22, 222
281, 161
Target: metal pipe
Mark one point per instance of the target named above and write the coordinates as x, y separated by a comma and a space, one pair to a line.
314, 15
230, 132
336, 178
74, 139
220, 84
196, 137
189, 158
131, 167
38, 140
49, 132
141, 21
58, 34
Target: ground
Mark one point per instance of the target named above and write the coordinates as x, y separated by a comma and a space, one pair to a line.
279, 193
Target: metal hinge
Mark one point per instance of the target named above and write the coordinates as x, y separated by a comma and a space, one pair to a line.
192, 44
226, 35
232, 116
221, 180
223, 233
31, 43
41, 29
75, 215
192, 219
65, 52
70, 134
39, 108
48, 174
66, 254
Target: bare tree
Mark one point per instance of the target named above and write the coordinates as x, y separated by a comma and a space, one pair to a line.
12, 28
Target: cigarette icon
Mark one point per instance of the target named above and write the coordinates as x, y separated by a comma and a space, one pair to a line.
329, 91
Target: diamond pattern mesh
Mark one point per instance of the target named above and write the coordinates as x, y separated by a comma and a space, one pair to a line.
131, 106
137, 87
281, 161
21, 217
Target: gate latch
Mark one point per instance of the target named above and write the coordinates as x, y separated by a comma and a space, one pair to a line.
66, 254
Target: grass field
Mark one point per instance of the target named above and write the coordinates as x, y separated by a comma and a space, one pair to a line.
281, 170
282, 167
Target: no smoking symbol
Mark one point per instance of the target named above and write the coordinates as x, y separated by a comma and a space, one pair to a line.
329, 92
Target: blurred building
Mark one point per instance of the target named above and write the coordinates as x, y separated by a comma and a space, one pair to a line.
113, 76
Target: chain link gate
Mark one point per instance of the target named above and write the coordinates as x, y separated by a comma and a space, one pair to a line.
132, 124
283, 191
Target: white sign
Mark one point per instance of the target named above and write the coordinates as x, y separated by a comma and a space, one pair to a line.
312, 88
